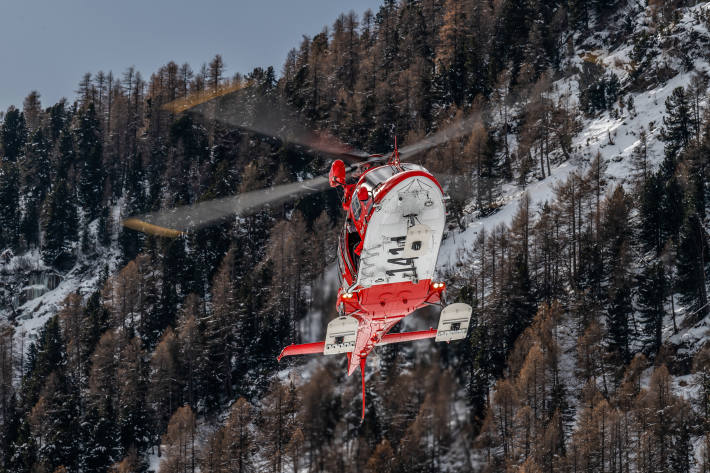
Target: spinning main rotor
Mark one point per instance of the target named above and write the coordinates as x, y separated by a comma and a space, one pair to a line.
246, 108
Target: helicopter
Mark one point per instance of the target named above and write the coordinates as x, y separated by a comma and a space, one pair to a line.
387, 250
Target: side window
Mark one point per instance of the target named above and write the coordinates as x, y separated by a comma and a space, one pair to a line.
356, 207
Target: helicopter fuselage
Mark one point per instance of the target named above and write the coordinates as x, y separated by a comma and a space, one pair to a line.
387, 256
387, 251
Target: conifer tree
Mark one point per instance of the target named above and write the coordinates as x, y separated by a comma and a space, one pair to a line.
518, 305
43, 357
652, 223
682, 454
59, 225
8, 412
56, 415
238, 445
89, 155
9, 204
65, 157
179, 441
676, 123
133, 415
102, 383
579, 14
32, 110
220, 335
617, 233
701, 370
692, 265
100, 443
277, 423
653, 288
618, 314
36, 181
164, 389
13, 135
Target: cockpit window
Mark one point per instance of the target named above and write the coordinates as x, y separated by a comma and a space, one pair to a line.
377, 176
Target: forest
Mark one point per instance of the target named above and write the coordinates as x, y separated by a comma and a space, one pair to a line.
575, 359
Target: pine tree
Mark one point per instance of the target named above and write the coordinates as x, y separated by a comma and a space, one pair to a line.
9, 415
13, 135
701, 371
89, 156
676, 123
692, 265
618, 314
652, 288
99, 438
164, 389
36, 182
9, 204
32, 110
65, 157
672, 209
682, 454
518, 305
579, 14
43, 357
59, 224
133, 415
652, 223
617, 233
277, 424
220, 334
238, 439
179, 441
56, 415
191, 347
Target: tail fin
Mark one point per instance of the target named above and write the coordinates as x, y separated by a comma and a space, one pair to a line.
362, 376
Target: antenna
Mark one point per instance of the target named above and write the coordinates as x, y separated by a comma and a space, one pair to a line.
395, 154
362, 376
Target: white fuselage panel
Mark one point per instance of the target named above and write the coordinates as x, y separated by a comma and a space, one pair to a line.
416, 201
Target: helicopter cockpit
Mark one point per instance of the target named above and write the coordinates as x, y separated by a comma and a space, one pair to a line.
359, 201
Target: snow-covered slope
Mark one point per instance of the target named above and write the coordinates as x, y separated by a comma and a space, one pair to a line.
614, 137
36, 291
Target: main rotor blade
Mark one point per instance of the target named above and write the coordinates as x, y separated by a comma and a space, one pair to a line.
453, 131
249, 109
174, 222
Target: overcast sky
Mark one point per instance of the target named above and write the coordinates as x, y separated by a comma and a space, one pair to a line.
47, 45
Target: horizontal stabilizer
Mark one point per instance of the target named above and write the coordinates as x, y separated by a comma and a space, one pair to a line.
303, 349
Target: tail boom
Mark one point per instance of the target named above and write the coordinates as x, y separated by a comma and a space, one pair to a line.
407, 336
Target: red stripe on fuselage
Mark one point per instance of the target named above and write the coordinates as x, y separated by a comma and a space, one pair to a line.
399, 177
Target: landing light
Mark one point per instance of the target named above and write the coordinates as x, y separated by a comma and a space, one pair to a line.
438, 285
348, 295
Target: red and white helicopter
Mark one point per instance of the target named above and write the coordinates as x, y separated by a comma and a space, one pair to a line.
387, 250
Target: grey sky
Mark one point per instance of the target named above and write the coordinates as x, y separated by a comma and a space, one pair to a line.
47, 45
